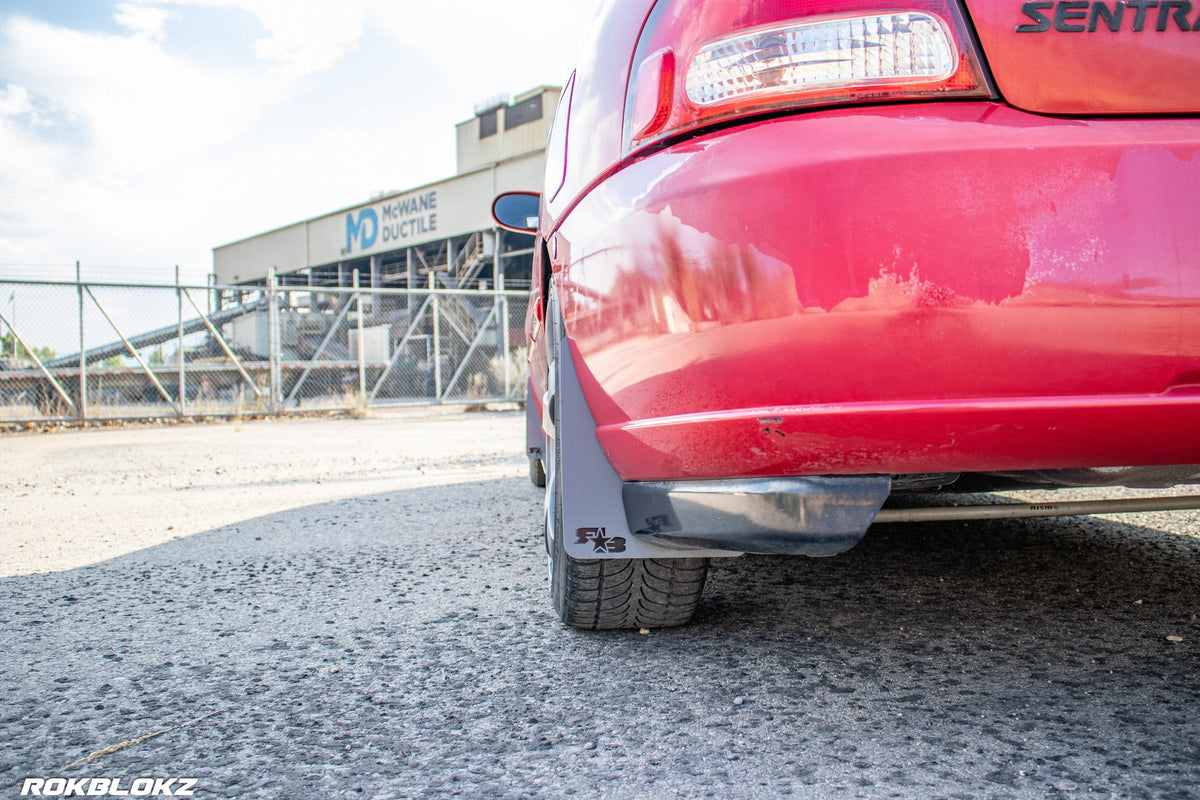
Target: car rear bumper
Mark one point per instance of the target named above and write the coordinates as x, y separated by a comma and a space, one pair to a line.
935, 288
994, 435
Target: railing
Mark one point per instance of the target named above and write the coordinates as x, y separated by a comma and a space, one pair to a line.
98, 350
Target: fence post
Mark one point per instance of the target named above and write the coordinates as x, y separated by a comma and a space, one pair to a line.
273, 339
83, 383
362, 364
182, 391
504, 334
437, 340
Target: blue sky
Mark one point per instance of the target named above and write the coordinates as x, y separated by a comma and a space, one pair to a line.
139, 134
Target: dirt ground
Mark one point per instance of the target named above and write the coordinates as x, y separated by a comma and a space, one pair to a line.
72, 498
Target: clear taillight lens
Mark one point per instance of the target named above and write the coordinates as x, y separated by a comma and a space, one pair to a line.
857, 51
698, 63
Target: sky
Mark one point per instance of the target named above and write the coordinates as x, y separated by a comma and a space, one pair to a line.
136, 135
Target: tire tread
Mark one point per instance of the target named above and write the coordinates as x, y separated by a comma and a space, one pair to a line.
608, 594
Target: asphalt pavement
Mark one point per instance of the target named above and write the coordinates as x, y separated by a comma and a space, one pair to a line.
400, 644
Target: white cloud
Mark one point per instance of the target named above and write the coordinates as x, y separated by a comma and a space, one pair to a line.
97, 154
128, 149
303, 37
491, 43
139, 106
142, 20
306, 38
14, 101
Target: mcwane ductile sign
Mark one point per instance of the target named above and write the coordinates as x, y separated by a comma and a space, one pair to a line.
423, 215
399, 221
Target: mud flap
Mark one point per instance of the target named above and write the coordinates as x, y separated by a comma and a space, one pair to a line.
535, 438
594, 522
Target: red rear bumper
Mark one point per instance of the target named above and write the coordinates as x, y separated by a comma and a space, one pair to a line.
952, 287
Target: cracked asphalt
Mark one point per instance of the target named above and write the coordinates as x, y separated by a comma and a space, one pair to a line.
359, 609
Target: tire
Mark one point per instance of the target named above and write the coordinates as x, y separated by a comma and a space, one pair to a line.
537, 472
610, 594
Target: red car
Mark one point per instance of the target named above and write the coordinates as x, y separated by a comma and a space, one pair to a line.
796, 256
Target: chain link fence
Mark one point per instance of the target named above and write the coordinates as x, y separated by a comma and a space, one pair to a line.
95, 350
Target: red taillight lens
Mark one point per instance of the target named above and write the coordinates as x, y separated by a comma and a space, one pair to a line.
698, 63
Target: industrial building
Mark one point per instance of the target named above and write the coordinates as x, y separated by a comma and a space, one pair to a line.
442, 229
440, 235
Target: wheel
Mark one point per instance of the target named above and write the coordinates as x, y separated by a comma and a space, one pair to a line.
537, 473
606, 594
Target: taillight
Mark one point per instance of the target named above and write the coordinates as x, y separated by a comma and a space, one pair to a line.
698, 63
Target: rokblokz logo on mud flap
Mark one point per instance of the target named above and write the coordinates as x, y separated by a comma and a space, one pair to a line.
600, 542
108, 787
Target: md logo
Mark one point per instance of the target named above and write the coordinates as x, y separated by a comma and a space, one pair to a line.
362, 230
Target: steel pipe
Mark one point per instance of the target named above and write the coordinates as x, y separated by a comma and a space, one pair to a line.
1017, 510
